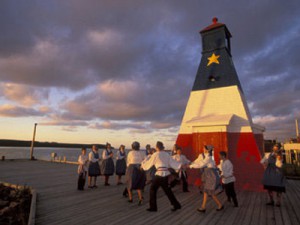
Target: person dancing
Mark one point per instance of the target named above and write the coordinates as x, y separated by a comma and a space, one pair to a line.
210, 177
94, 168
273, 179
107, 165
82, 169
182, 174
135, 177
162, 161
120, 164
228, 179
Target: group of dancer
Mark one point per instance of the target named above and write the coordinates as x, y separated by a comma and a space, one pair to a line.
160, 169
90, 165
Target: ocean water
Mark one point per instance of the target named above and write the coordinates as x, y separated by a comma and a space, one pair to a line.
71, 154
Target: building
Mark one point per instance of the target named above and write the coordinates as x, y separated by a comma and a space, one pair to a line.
217, 113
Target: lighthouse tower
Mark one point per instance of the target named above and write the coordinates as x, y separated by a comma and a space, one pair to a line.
217, 113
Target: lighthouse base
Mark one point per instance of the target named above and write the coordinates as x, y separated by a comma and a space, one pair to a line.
242, 150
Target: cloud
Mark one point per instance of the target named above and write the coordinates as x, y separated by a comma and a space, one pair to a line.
70, 128
46, 65
82, 63
129, 100
7, 110
113, 125
24, 94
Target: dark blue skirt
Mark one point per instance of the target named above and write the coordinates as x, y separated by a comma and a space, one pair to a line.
273, 179
135, 177
94, 169
107, 167
121, 167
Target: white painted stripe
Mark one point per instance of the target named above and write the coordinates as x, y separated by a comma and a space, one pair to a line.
214, 110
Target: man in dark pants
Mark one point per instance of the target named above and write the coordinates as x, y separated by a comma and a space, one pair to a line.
162, 161
228, 179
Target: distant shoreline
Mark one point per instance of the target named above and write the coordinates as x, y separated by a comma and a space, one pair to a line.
20, 143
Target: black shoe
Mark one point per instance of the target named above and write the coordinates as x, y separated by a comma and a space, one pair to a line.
106, 184
176, 208
277, 204
130, 200
219, 209
270, 203
95, 186
201, 210
140, 202
235, 202
151, 210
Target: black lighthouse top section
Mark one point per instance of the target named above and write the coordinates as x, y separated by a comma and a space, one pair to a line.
216, 68
215, 36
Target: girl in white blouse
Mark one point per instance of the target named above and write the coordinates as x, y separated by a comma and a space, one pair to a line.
94, 168
273, 179
107, 165
120, 164
210, 177
135, 177
82, 169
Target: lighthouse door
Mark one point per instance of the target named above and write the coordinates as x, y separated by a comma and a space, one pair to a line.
217, 139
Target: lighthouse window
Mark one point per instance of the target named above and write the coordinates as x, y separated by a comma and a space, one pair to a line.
212, 78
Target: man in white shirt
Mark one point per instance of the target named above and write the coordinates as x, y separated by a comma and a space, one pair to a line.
162, 161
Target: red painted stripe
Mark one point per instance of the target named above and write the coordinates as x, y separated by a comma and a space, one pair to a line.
242, 151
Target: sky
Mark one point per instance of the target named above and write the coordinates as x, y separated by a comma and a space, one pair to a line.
119, 71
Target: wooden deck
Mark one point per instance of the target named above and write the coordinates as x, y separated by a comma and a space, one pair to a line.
59, 202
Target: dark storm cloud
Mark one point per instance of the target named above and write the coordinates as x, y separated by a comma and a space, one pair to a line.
150, 50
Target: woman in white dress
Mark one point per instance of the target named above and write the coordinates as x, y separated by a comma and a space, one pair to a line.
210, 177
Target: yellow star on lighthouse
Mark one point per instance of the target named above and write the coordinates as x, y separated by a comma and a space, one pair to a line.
213, 59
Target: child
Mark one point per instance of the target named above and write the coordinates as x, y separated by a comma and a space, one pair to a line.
182, 172
228, 179
82, 169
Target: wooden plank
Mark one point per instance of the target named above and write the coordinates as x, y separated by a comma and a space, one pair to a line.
58, 201
291, 202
